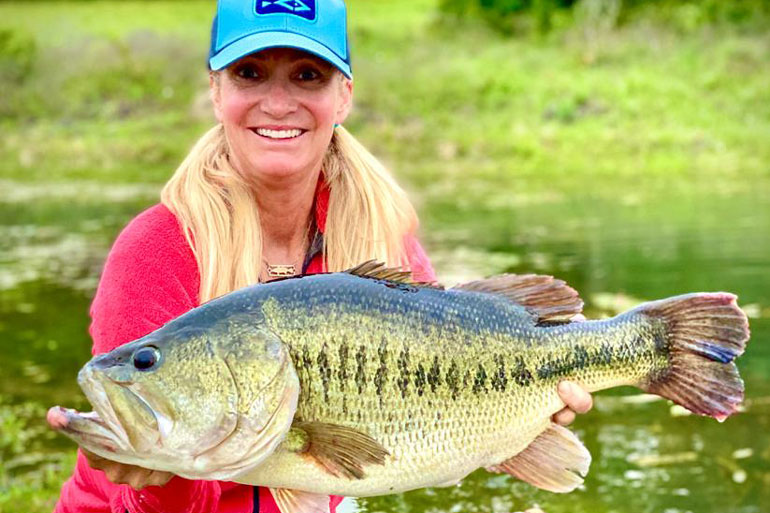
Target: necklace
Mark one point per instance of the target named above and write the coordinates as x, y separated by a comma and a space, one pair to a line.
279, 270
286, 270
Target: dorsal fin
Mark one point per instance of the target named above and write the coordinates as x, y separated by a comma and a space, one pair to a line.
549, 299
378, 270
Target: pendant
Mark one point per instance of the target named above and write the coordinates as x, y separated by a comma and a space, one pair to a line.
280, 270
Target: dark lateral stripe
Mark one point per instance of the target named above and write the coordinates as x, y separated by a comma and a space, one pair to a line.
420, 380
499, 379
324, 370
403, 367
434, 375
520, 374
602, 355
580, 358
453, 379
382, 371
480, 380
342, 371
307, 362
361, 369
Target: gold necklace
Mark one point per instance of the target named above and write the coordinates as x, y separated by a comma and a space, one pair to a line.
280, 270
285, 270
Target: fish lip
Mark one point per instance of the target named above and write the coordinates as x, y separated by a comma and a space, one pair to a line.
93, 432
93, 387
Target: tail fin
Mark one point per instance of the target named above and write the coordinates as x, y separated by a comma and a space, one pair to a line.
704, 334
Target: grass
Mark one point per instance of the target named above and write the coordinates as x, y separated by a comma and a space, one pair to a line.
114, 94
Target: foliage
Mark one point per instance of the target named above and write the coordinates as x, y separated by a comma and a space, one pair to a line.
521, 16
507, 16
30, 477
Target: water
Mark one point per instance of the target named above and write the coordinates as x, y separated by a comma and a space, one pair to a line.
617, 242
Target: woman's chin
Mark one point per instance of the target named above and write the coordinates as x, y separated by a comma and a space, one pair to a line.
280, 168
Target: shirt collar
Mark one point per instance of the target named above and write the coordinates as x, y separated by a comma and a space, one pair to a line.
321, 203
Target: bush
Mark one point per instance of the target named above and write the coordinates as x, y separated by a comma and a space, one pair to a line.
516, 16
507, 16
17, 56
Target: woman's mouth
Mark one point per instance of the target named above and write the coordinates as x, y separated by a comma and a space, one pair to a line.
282, 134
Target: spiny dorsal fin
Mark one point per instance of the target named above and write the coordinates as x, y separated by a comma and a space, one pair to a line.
378, 270
340, 450
555, 461
549, 299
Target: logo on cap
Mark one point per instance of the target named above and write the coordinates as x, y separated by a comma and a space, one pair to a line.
302, 8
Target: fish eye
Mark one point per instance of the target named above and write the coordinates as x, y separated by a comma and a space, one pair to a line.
146, 358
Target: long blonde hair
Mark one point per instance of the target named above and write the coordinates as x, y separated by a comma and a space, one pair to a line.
369, 214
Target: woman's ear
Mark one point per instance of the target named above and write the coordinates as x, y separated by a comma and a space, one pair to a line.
346, 100
215, 94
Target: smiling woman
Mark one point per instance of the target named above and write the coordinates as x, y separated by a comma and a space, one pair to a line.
277, 188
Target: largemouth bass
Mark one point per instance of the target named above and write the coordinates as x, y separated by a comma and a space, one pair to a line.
362, 383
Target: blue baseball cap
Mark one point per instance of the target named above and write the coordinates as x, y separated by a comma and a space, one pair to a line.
243, 27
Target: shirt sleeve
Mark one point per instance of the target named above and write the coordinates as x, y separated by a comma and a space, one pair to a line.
149, 278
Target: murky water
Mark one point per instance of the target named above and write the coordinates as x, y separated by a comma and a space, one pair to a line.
617, 243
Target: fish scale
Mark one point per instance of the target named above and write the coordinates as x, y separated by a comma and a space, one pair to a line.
463, 417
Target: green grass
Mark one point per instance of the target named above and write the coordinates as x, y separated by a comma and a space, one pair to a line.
115, 92
21, 429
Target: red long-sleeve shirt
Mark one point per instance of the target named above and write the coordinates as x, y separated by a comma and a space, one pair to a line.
149, 278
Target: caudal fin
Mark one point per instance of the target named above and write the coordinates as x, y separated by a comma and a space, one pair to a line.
704, 334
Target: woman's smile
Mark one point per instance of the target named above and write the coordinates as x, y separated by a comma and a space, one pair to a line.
278, 133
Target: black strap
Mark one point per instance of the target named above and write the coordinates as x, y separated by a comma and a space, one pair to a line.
256, 500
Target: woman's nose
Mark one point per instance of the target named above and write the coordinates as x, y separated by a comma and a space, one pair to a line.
278, 101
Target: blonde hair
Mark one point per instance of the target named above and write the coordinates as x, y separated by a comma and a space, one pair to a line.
368, 217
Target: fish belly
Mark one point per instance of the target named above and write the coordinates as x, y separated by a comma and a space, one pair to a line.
426, 449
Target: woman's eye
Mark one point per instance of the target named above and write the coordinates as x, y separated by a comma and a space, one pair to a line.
307, 75
247, 72
146, 358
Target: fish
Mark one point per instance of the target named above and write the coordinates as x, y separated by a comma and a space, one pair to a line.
365, 383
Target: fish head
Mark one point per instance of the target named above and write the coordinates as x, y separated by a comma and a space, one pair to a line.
205, 403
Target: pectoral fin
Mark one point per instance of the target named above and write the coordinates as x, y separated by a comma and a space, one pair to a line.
296, 501
340, 450
555, 461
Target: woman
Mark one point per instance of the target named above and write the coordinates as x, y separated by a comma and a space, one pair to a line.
276, 188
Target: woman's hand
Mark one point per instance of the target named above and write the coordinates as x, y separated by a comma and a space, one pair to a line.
120, 473
576, 399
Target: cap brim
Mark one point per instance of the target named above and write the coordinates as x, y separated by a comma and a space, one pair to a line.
264, 40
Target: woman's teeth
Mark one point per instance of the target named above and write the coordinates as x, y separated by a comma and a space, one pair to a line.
279, 134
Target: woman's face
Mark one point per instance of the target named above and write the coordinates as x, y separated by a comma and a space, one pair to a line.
278, 108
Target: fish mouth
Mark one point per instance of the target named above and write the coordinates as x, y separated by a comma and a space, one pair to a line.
103, 429
86, 429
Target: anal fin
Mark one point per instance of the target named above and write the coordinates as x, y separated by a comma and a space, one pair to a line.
555, 461
296, 501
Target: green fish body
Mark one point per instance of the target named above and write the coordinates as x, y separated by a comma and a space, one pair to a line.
362, 383
448, 381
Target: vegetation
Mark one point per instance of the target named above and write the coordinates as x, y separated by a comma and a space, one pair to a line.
521, 16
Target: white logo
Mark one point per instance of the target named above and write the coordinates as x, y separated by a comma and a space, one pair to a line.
289, 5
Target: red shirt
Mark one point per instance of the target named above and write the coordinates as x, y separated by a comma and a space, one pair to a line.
150, 277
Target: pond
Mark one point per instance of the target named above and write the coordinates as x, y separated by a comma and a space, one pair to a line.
617, 242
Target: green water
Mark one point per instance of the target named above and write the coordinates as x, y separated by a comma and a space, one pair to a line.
616, 242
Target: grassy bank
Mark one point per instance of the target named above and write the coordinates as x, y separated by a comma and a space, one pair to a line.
105, 98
